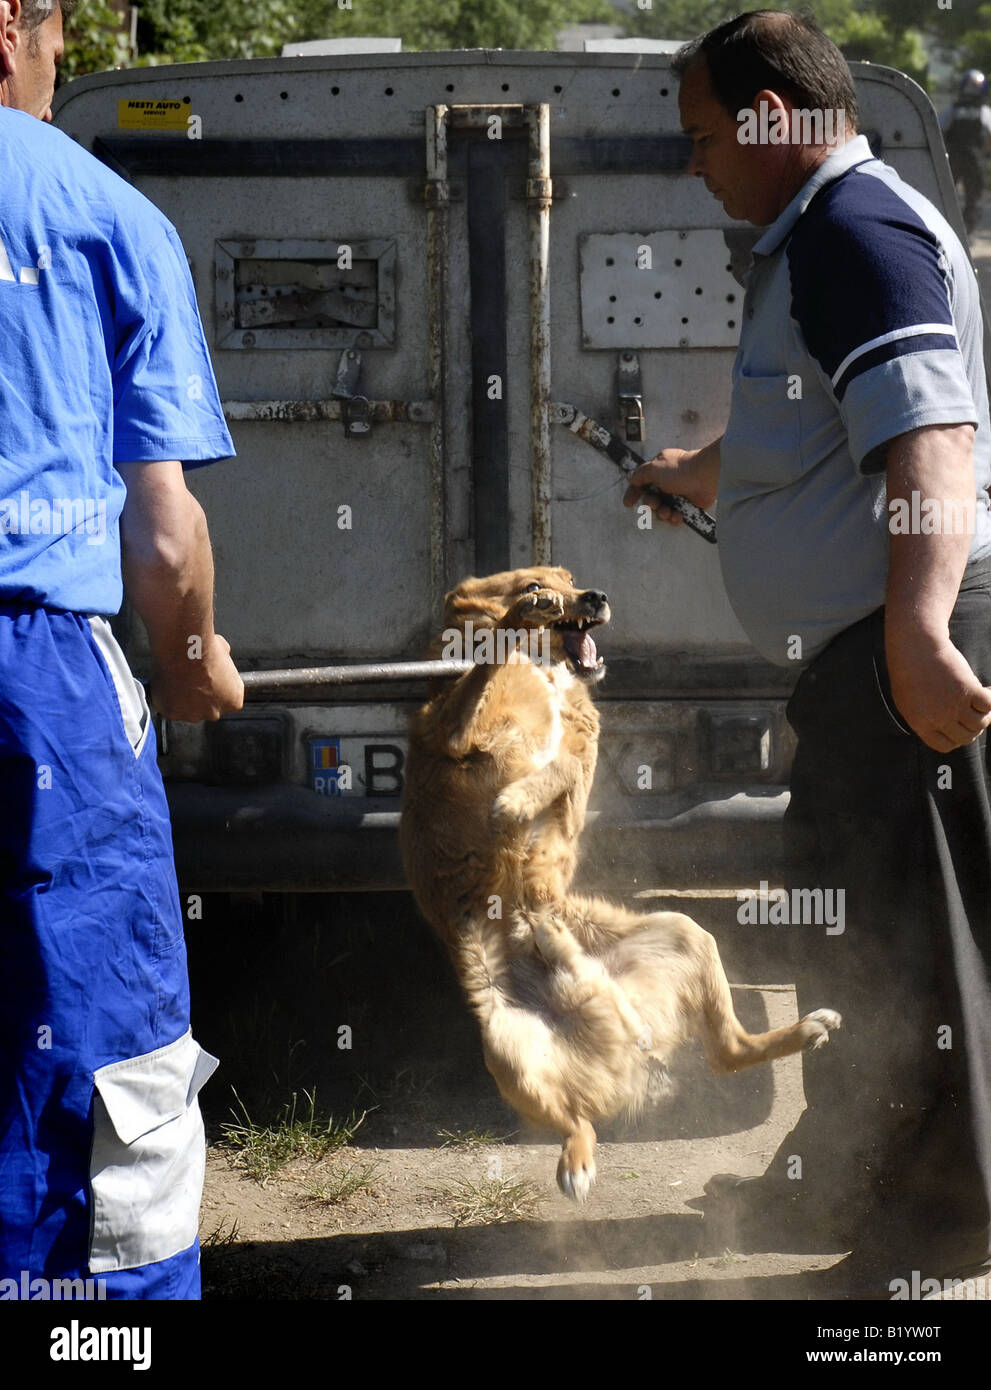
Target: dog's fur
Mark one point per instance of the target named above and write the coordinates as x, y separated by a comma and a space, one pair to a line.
575, 996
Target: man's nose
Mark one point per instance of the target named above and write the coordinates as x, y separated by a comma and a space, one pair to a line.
695, 163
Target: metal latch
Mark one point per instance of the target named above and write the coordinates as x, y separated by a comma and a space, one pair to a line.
630, 392
355, 410
356, 416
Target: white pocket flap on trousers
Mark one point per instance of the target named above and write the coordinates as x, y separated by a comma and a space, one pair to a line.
144, 1092
146, 1167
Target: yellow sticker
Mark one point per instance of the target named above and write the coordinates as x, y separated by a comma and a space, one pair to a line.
153, 114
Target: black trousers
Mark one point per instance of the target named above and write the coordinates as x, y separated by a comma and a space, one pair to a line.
896, 1142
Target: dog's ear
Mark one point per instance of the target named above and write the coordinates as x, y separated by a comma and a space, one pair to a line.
483, 612
469, 600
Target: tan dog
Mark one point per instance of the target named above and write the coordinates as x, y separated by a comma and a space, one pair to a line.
574, 995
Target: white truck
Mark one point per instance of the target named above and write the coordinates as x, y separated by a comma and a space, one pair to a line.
416, 271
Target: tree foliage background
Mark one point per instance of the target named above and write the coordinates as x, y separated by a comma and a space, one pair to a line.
185, 31
170, 31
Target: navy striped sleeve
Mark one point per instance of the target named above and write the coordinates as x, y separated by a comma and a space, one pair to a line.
867, 280
870, 294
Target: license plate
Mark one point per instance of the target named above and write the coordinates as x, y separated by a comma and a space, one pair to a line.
357, 765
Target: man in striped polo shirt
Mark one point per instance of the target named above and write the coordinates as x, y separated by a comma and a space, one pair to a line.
855, 543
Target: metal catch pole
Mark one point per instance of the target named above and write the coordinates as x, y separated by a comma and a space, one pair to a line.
539, 192
437, 196
257, 681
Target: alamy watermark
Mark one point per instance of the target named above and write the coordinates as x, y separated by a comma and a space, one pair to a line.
25, 515
929, 516
82, 1343
495, 646
805, 907
798, 126
35, 1289
916, 1288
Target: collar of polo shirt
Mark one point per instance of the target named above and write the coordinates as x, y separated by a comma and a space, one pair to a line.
853, 152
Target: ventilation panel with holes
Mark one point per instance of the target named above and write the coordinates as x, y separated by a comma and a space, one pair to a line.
658, 290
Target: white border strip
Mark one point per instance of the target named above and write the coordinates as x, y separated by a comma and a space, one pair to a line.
916, 330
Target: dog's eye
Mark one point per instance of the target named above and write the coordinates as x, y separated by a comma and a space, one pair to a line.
531, 588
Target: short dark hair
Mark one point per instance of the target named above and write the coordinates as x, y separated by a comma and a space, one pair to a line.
777, 51
35, 12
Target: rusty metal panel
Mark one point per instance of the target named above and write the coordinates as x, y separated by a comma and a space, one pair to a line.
285, 293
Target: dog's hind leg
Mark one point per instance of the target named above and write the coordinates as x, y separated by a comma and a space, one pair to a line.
602, 1024
728, 1045
515, 1048
576, 1166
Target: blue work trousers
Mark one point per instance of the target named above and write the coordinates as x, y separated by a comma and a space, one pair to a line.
101, 1140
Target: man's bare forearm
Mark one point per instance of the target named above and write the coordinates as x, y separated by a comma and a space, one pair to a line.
931, 472
932, 508
168, 572
689, 473
708, 462
167, 566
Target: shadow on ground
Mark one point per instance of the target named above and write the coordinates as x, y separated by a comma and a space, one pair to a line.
443, 1264
351, 997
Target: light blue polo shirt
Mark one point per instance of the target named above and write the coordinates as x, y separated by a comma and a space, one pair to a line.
102, 361
861, 321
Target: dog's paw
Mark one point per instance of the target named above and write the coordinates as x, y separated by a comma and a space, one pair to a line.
547, 937
576, 1180
819, 1025
512, 806
576, 1166
538, 609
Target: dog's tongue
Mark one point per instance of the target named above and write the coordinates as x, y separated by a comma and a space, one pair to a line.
581, 648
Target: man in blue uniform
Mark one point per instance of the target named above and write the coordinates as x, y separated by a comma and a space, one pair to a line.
107, 394
855, 542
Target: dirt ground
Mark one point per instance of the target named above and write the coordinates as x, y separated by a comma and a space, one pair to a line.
275, 983
414, 1064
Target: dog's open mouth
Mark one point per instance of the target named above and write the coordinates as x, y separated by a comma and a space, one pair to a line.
579, 646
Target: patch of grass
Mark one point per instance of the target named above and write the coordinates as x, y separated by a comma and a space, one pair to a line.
261, 1150
470, 1138
219, 1238
407, 1086
729, 1257
491, 1201
340, 1186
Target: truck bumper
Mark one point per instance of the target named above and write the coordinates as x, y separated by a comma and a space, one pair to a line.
289, 839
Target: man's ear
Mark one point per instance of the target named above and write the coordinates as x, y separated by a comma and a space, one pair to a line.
10, 38
775, 102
